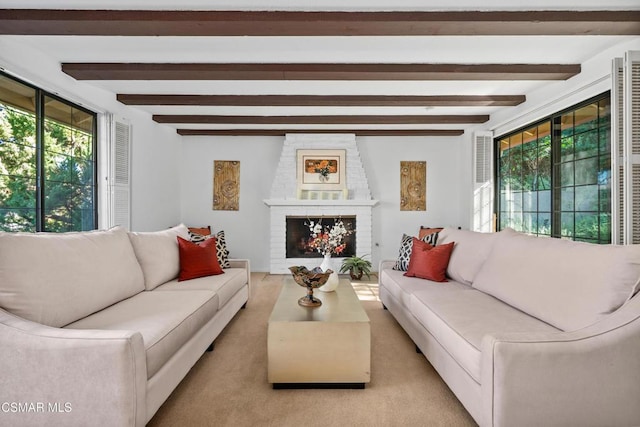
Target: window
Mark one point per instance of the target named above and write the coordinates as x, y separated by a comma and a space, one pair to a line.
47, 161
554, 177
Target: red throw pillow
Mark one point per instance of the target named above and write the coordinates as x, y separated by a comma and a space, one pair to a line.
198, 260
429, 262
203, 231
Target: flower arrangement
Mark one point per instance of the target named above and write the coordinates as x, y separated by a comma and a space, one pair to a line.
322, 167
328, 240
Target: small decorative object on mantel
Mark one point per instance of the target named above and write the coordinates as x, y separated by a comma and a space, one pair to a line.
226, 185
310, 280
323, 195
328, 240
413, 186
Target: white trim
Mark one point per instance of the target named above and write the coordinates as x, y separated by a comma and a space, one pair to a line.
303, 202
104, 126
559, 103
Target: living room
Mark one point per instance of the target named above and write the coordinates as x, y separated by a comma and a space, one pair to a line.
171, 178
173, 146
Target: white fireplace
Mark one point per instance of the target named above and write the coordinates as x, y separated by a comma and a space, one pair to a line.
284, 201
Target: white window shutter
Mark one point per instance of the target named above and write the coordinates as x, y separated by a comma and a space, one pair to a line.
625, 149
120, 174
617, 152
483, 181
482, 154
631, 147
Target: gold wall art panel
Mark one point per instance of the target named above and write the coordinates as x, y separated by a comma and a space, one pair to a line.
413, 186
226, 185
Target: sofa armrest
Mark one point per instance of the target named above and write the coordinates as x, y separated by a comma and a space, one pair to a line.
70, 377
239, 263
386, 263
243, 263
587, 377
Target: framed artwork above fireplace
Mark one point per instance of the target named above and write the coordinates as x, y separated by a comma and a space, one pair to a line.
321, 169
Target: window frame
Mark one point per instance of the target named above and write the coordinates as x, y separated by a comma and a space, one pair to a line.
555, 144
40, 117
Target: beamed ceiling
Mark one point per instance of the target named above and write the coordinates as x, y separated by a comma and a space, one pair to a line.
325, 67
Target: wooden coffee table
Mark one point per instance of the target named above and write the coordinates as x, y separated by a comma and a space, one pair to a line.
322, 347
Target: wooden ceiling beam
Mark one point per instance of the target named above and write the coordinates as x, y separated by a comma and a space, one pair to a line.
317, 120
281, 23
303, 71
325, 100
358, 132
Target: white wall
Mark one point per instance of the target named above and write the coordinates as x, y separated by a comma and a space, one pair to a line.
155, 176
247, 230
155, 148
446, 187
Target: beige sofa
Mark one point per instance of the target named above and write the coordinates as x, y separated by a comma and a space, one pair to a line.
529, 331
96, 330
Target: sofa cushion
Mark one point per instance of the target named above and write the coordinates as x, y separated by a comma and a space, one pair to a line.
198, 260
225, 285
429, 231
567, 284
221, 245
201, 231
157, 253
470, 251
406, 247
166, 320
458, 318
429, 262
402, 287
57, 278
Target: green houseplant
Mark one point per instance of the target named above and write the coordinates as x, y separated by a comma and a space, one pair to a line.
356, 266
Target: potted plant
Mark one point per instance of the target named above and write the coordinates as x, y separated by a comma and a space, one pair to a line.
356, 266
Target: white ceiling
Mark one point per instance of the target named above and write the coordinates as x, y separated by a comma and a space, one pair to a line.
401, 49
393, 49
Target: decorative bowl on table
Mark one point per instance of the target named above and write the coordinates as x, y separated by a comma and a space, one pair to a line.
309, 279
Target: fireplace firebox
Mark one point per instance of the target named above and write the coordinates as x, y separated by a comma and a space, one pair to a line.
298, 236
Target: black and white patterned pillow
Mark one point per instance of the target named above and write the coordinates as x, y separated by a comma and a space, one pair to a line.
197, 238
431, 239
221, 250
221, 246
406, 245
402, 263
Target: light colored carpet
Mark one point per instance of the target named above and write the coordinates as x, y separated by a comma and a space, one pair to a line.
228, 387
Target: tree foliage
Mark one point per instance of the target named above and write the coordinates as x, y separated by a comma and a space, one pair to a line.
68, 175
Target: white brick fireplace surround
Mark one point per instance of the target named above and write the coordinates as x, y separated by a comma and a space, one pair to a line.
284, 200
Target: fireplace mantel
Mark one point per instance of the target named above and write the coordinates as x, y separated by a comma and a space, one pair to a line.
301, 202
